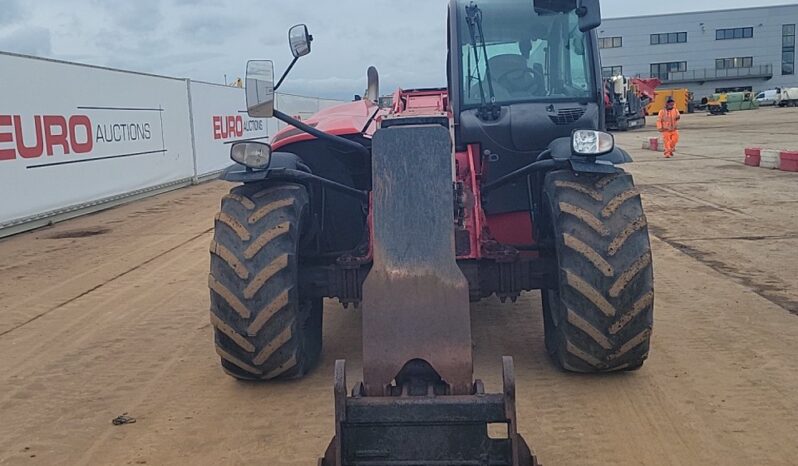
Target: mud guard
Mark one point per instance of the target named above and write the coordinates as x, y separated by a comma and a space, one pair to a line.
418, 403
280, 160
561, 150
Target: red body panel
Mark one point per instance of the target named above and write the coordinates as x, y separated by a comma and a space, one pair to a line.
364, 117
340, 120
514, 228
421, 102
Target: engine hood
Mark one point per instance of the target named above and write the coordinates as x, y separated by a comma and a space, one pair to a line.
350, 118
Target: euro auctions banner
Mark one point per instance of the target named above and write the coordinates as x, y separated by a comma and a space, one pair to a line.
220, 118
71, 134
74, 136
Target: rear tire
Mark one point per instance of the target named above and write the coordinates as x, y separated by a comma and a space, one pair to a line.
600, 317
263, 329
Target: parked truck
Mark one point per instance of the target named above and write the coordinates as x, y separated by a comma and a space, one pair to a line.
787, 96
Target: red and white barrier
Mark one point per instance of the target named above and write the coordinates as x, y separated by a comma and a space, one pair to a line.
788, 161
654, 144
784, 160
753, 156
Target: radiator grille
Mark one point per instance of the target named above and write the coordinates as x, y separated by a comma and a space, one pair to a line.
566, 116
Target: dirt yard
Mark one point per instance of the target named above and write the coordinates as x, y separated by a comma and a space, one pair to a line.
108, 314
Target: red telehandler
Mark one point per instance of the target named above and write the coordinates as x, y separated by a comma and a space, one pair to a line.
501, 183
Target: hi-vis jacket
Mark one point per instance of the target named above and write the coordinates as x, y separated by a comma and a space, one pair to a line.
668, 120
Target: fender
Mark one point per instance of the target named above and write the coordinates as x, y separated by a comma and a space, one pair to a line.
286, 166
239, 173
560, 150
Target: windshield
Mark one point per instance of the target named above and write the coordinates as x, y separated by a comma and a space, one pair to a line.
532, 55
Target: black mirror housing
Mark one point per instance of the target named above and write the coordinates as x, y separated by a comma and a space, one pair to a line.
299, 39
589, 12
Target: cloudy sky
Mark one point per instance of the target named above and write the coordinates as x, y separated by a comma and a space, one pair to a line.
206, 39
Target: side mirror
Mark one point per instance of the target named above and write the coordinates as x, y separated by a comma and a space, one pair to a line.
260, 88
300, 40
589, 13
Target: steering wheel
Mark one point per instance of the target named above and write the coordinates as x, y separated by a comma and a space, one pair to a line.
521, 80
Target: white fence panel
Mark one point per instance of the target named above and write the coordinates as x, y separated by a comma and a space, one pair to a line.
302, 107
73, 134
219, 117
76, 137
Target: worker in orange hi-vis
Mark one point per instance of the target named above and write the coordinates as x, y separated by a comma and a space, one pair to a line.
668, 125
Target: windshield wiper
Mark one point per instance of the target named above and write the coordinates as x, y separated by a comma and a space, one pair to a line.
488, 110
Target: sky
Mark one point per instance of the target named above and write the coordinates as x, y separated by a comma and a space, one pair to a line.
208, 39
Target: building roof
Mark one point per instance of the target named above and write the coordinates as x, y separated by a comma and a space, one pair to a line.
688, 13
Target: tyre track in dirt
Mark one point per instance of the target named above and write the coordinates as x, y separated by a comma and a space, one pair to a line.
96, 287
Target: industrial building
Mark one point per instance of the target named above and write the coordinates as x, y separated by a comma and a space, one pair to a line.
707, 52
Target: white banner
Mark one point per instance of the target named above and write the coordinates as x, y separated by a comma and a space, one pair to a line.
71, 134
220, 118
301, 107
74, 136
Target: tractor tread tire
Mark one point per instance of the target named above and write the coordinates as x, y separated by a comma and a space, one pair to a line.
600, 317
263, 330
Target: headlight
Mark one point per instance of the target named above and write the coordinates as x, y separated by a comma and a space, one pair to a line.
589, 142
255, 155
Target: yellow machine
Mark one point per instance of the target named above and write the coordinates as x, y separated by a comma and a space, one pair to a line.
681, 97
718, 104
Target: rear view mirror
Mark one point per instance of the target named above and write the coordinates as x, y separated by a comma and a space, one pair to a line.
300, 40
260, 88
589, 13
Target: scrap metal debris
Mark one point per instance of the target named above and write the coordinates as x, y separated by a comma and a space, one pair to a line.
123, 419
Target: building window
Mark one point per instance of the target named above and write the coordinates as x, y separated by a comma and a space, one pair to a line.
610, 71
726, 90
788, 49
610, 42
731, 63
734, 33
669, 38
661, 70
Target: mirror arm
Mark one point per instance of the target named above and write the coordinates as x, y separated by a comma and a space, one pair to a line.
285, 73
321, 134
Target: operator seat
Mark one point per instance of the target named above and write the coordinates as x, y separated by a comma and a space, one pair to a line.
523, 83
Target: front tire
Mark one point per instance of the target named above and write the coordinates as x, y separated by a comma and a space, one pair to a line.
600, 317
263, 329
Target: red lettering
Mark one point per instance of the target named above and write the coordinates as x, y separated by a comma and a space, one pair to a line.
231, 126
74, 123
23, 150
217, 127
239, 126
6, 154
60, 139
223, 123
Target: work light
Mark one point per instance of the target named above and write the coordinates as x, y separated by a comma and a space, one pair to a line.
255, 155
589, 142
